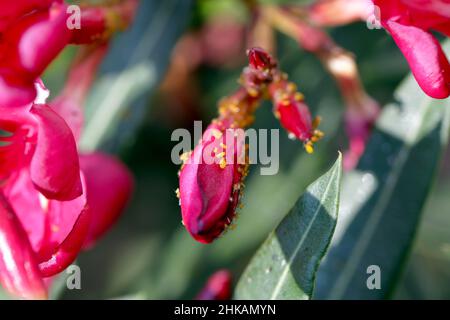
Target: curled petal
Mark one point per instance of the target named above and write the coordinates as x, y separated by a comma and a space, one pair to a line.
425, 57
218, 287
69, 249
108, 188
56, 229
55, 169
19, 273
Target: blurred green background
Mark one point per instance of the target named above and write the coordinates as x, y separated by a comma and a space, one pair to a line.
148, 254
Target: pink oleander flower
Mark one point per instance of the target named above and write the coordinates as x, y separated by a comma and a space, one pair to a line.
53, 201
218, 287
39, 159
410, 23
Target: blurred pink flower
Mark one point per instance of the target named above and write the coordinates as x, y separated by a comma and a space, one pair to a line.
218, 287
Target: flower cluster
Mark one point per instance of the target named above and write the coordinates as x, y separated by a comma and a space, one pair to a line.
211, 177
410, 23
54, 201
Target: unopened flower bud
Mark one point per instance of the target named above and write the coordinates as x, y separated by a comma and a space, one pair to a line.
218, 287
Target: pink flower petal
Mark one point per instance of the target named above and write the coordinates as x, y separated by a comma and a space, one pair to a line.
108, 188
56, 229
15, 94
426, 59
55, 166
19, 273
69, 249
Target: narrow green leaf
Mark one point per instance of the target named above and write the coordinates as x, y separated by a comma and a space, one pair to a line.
131, 72
383, 198
285, 265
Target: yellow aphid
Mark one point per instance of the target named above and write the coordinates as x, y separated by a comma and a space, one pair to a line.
291, 87
216, 133
222, 163
177, 192
253, 92
223, 145
318, 135
185, 156
309, 147
299, 96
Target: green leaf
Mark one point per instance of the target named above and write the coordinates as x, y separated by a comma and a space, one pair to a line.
383, 198
286, 264
131, 72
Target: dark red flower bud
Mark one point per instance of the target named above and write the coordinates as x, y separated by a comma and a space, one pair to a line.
218, 287
260, 59
294, 115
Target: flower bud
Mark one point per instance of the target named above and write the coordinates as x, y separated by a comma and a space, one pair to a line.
260, 59
294, 114
211, 185
218, 287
